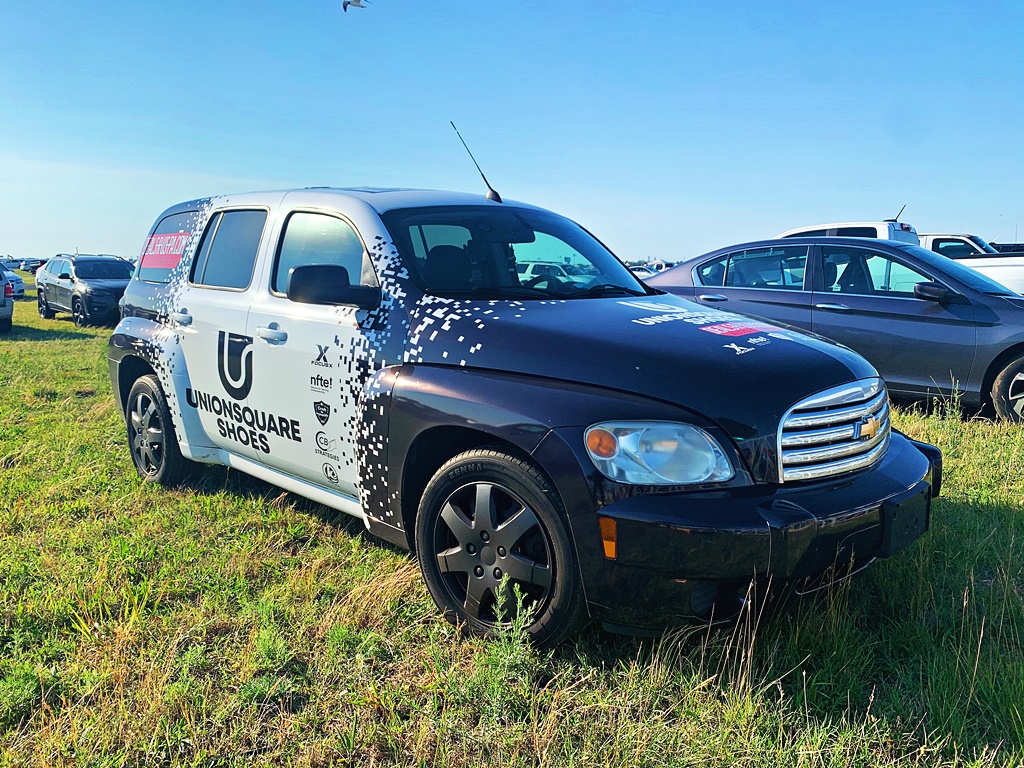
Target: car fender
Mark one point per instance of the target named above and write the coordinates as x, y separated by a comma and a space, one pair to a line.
138, 346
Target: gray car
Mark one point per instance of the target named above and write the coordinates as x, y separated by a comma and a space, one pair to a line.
6, 304
16, 282
930, 325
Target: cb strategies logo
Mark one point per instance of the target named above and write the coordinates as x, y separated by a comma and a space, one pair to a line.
325, 447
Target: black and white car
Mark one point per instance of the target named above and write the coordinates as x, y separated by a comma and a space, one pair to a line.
89, 287
610, 450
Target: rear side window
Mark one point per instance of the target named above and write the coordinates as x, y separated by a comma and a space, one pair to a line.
228, 251
953, 248
810, 233
857, 232
315, 238
165, 247
758, 268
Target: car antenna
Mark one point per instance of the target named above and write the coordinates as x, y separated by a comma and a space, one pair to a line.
901, 212
491, 194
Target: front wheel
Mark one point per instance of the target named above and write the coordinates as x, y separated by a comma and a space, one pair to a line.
1008, 392
151, 437
78, 313
490, 526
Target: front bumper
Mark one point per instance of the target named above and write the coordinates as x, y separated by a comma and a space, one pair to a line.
101, 306
678, 553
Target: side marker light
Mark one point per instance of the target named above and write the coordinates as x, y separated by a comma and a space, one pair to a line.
609, 536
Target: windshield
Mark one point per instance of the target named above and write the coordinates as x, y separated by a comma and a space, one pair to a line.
504, 252
966, 275
103, 270
981, 243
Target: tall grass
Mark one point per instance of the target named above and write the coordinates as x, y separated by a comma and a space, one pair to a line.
228, 623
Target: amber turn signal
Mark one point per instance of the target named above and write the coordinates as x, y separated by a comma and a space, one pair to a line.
609, 533
602, 443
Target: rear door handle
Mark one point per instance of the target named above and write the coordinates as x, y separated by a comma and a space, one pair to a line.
713, 297
832, 307
182, 318
273, 335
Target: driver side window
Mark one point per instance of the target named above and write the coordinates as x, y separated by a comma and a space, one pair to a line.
316, 238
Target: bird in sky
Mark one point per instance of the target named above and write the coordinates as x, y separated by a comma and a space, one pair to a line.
354, 4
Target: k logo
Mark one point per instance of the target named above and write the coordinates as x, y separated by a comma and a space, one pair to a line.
322, 411
330, 473
234, 363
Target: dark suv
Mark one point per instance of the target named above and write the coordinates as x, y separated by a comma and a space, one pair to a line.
89, 287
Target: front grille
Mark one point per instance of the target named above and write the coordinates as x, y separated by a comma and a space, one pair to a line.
836, 431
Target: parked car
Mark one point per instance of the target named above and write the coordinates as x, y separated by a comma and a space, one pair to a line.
535, 271
612, 452
890, 229
10, 264
87, 286
930, 325
6, 304
1008, 247
642, 272
972, 251
16, 283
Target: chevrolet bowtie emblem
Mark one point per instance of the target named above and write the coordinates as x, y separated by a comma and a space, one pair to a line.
868, 428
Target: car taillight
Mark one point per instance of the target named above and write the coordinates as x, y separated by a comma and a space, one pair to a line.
9, 291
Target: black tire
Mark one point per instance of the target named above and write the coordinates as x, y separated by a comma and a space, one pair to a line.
44, 308
463, 556
79, 313
151, 438
1008, 392
6, 325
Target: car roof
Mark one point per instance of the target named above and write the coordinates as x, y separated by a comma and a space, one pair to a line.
381, 199
861, 242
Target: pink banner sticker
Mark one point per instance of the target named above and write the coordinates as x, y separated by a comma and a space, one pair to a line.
735, 329
164, 251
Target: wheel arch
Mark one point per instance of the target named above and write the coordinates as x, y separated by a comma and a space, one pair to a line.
994, 369
130, 369
434, 447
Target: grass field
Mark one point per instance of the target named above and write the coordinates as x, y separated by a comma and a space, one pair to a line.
230, 623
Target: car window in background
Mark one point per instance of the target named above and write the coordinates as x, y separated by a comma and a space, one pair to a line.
773, 267
103, 270
953, 248
165, 247
867, 272
856, 232
229, 248
316, 238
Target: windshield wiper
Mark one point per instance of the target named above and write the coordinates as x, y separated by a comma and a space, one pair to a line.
609, 289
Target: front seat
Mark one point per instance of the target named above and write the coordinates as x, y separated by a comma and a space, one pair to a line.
447, 266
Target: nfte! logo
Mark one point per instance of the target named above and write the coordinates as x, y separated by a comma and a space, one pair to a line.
321, 357
318, 383
234, 363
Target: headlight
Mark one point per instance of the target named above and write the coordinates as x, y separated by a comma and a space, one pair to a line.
656, 453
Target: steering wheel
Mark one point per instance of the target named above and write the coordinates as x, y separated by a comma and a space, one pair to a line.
551, 280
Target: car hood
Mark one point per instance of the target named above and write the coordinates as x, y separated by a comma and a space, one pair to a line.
743, 374
110, 286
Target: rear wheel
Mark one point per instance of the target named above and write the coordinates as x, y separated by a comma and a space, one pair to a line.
151, 437
44, 308
489, 525
1008, 391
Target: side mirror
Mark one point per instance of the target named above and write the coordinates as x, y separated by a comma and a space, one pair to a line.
329, 284
65, 276
930, 291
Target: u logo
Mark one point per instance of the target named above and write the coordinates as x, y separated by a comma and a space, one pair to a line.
234, 363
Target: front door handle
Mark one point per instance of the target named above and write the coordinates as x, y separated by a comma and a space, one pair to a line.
713, 297
832, 307
273, 335
182, 318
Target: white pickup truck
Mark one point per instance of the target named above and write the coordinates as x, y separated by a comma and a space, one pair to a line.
972, 251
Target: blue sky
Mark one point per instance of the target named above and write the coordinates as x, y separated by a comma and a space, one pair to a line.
667, 128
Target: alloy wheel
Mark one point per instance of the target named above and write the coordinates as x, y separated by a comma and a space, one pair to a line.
146, 434
483, 534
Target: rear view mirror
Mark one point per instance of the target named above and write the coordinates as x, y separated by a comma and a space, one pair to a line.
931, 291
329, 284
